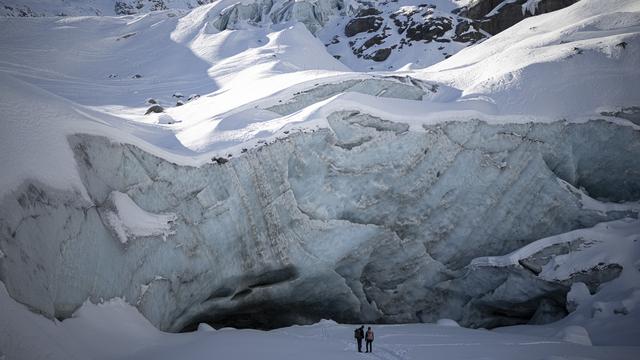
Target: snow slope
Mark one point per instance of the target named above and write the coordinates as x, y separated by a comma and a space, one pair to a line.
554, 64
79, 94
540, 78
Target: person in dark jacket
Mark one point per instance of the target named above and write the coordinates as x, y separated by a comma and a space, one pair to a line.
369, 340
359, 335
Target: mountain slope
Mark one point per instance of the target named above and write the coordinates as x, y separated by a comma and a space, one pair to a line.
364, 35
36, 8
556, 64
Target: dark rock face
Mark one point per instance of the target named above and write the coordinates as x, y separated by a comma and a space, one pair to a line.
375, 40
429, 30
363, 24
373, 32
381, 54
467, 32
505, 14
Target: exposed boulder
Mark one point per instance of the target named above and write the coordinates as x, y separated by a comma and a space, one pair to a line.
154, 109
219, 160
381, 54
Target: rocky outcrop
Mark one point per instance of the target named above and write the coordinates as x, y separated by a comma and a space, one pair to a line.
359, 25
494, 16
364, 222
377, 31
154, 109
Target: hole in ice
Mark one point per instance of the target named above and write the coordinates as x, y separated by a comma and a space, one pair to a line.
262, 315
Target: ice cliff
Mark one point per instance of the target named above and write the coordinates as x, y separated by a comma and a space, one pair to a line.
278, 186
365, 221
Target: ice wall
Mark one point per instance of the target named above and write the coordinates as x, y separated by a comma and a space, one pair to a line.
365, 221
313, 14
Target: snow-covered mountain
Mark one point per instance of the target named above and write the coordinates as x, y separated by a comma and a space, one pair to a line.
30, 8
215, 166
365, 35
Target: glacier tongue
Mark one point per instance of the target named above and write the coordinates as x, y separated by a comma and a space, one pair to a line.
365, 221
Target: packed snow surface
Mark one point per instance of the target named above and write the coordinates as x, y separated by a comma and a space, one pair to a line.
115, 330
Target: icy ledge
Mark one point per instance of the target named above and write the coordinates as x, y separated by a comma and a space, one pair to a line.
364, 221
129, 221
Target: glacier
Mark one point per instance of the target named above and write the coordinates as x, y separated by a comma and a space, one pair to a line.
282, 185
305, 227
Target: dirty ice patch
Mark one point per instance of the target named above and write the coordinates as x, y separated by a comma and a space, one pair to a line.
129, 221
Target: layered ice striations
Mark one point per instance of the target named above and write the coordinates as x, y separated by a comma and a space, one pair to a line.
365, 221
314, 14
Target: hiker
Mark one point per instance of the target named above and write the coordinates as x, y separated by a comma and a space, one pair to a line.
369, 340
359, 335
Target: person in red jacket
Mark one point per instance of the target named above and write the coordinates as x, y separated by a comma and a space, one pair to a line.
369, 340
